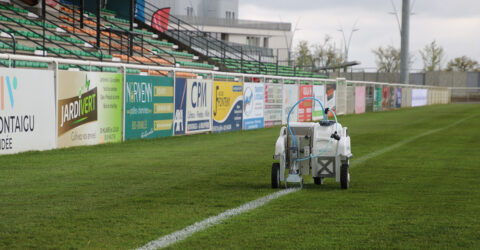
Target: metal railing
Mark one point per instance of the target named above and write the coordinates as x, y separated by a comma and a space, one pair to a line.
104, 20
201, 42
43, 36
49, 18
239, 76
108, 22
14, 46
117, 41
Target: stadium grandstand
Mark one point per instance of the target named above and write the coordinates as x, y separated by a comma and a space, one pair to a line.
143, 33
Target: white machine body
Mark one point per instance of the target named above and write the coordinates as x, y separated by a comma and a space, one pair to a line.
315, 150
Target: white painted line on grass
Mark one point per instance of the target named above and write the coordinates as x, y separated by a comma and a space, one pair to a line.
199, 226
401, 143
177, 236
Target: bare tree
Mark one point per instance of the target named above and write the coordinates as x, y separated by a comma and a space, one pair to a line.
463, 64
320, 55
325, 54
387, 59
304, 55
432, 56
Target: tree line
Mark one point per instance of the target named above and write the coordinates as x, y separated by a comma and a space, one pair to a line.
325, 55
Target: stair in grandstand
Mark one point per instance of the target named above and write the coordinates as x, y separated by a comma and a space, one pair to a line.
65, 38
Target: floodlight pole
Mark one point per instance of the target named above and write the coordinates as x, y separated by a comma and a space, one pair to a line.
404, 43
347, 43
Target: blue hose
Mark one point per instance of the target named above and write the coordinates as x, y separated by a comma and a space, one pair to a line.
289, 112
324, 118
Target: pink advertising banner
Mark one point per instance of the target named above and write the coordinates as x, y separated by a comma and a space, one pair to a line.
305, 107
359, 99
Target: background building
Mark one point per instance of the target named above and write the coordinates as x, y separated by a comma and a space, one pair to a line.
261, 39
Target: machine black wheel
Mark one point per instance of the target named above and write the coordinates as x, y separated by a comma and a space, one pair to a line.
318, 180
276, 175
345, 176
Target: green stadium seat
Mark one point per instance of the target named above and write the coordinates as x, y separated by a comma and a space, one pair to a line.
133, 71
155, 42
3, 7
109, 11
175, 53
195, 64
26, 64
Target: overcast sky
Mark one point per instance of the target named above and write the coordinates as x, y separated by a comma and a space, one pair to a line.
454, 24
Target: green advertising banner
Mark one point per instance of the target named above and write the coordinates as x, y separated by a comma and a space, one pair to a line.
377, 103
89, 108
148, 107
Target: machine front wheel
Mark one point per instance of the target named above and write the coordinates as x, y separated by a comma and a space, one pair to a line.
345, 176
318, 180
276, 175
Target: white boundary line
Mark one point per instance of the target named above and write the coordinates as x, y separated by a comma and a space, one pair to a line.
177, 236
199, 226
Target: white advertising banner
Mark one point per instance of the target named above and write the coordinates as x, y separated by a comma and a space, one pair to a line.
419, 97
273, 104
199, 105
319, 94
27, 110
290, 97
254, 96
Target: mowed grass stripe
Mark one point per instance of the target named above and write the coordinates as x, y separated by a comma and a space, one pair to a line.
177, 236
424, 194
180, 235
364, 158
124, 195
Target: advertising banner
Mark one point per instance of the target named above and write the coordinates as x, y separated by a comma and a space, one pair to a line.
89, 108
360, 99
377, 99
391, 99
398, 97
227, 106
273, 104
148, 107
419, 97
290, 97
369, 98
199, 106
385, 98
253, 101
27, 110
350, 99
305, 107
318, 93
179, 123
331, 100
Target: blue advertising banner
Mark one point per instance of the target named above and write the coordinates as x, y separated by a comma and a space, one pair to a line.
399, 98
180, 106
253, 105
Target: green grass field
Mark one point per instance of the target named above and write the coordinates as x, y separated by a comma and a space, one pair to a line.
424, 194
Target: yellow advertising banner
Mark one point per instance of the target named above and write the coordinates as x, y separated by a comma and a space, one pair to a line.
227, 106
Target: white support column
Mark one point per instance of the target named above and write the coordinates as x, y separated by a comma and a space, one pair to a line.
341, 96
